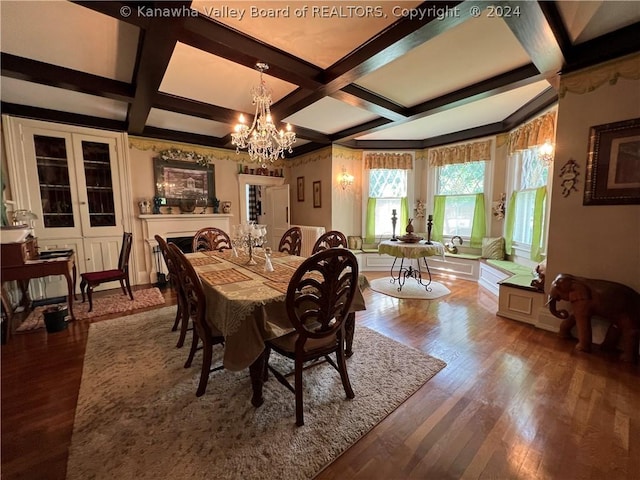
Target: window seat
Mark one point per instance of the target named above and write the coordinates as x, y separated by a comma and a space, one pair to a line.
517, 299
507, 280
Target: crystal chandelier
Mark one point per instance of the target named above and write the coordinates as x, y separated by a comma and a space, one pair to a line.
262, 139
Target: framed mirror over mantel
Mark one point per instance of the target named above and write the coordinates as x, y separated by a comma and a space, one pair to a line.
179, 183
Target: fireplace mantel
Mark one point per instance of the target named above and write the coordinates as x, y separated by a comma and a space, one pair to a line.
178, 225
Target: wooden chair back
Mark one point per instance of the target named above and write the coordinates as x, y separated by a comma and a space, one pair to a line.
330, 239
291, 241
209, 239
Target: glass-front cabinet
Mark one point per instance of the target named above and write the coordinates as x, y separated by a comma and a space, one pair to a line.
75, 174
70, 178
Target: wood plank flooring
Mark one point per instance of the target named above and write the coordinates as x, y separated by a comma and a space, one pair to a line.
514, 402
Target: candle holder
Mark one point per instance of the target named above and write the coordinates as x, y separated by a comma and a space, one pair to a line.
249, 236
394, 219
429, 226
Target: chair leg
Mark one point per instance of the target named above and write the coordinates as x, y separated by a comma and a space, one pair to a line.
184, 327
124, 292
299, 407
90, 296
194, 347
126, 281
342, 368
176, 322
207, 352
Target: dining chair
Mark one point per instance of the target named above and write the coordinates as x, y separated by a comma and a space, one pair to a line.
182, 318
317, 303
90, 280
209, 239
291, 241
196, 308
330, 239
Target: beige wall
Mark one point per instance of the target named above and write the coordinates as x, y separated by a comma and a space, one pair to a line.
316, 166
598, 241
346, 215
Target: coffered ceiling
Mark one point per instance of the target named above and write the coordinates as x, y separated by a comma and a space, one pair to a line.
382, 74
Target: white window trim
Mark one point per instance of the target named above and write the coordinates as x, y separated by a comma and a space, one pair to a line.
522, 251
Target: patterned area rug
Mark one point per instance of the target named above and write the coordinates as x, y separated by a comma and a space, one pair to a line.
411, 289
116, 303
138, 415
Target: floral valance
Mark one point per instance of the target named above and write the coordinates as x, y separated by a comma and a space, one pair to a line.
390, 161
590, 79
463, 153
533, 133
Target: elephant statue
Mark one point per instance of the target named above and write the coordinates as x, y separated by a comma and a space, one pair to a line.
614, 302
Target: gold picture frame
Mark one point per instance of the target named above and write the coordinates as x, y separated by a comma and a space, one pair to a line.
613, 165
300, 189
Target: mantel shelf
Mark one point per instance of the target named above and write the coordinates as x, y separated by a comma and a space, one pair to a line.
163, 217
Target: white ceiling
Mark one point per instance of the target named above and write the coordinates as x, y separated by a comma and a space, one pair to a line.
408, 79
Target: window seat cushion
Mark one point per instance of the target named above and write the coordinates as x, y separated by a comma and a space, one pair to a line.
510, 267
468, 256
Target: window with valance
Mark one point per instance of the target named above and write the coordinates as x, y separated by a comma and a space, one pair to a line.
525, 225
460, 178
389, 179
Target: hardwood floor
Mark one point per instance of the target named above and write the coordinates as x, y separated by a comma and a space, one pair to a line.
514, 402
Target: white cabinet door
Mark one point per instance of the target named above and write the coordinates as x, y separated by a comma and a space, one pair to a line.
98, 185
48, 186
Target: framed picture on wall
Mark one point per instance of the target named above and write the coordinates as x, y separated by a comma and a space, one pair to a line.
317, 199
613, 165
301, 189
176, 180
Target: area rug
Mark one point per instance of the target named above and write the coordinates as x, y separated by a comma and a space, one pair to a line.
138, 416
110, 304
411, 289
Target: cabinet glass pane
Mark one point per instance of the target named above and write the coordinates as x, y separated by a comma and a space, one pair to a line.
97, 171
53, 179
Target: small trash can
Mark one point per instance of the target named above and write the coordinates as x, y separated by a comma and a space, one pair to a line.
54, 318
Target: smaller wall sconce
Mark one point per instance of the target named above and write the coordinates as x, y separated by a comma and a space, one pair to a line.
546, 152
345, 180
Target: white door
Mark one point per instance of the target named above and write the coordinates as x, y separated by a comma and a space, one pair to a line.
276, 211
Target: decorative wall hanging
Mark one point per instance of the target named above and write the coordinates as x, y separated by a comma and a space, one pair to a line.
613, 176
569, 175
185, 156
420, 209
498, 208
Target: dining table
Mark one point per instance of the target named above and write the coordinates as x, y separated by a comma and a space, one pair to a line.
246, 303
